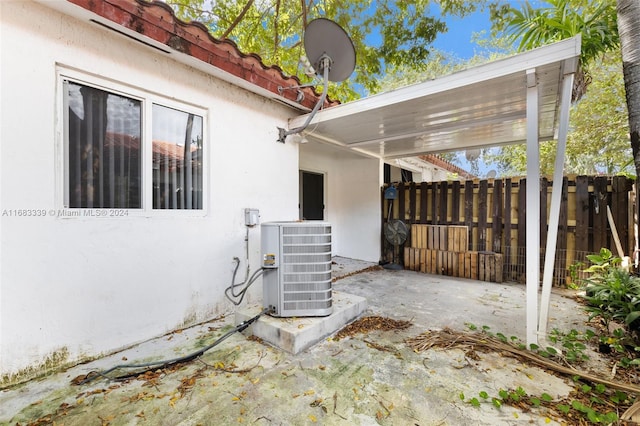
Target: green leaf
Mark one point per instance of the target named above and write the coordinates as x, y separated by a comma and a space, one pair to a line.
577, 405
631, 317
620, 396
546, 397
483, 395
563, 408
593, 416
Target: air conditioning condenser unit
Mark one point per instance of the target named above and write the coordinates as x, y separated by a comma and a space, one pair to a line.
297, 268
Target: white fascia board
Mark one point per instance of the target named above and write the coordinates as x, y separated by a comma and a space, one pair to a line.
557, 52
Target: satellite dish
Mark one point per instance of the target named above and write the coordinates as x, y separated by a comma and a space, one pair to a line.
324, 38
472, 154
331, 54
491, 174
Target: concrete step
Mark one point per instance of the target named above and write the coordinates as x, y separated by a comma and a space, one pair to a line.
299, 333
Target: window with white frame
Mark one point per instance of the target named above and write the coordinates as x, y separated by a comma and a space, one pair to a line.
108, 151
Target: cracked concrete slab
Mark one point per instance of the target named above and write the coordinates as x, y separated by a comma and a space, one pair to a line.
366, 379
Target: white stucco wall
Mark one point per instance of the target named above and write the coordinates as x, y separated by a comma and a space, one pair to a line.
352, 198
85, 286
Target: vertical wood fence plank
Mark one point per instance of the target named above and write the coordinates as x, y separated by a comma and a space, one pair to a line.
412, 203
619, 210
600, 201
423, 202
482, 215
444, 195
434, 203
582, 215
474, 265
507, 229
455, 203
499, 267
544, 195
496, 226
442, 233
560, 268
468, 209
522, 231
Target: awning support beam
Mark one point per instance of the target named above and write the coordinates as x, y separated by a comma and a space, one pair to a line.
533, 210
556, 198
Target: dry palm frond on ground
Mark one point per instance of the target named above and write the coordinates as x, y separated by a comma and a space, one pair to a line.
448, 338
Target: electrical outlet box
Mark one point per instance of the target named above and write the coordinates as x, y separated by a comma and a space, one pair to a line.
251, 217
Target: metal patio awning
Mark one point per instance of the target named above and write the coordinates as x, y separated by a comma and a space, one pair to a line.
479, 107
521, 99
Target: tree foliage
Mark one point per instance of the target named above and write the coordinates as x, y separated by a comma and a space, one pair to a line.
598, 138
593, 20
393, 43
387, 34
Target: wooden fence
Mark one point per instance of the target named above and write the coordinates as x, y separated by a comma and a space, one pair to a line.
495, 213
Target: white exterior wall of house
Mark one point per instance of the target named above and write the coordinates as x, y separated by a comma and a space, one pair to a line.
352, 198
83, 286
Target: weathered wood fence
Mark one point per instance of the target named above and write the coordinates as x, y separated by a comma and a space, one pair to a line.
495, 213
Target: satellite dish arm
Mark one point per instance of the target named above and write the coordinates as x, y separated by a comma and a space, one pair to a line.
325, 62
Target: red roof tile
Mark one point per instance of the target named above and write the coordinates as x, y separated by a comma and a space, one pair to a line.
436, 160
157, 21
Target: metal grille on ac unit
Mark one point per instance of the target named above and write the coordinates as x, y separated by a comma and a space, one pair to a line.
297, 262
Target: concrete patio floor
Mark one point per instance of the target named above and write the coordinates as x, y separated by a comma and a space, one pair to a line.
366, 379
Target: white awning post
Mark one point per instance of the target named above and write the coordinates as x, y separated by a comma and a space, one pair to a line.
533, 210
556, 199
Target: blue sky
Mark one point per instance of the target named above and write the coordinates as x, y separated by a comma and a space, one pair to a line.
457, 39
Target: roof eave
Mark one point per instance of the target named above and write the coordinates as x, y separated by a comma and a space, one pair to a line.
256, 77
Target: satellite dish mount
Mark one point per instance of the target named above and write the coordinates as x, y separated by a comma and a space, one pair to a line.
332, 55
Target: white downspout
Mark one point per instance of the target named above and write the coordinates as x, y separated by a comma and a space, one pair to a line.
533, 210
554, 213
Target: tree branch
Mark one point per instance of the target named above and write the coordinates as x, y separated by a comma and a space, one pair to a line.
237, 20
303, 7
275, 27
